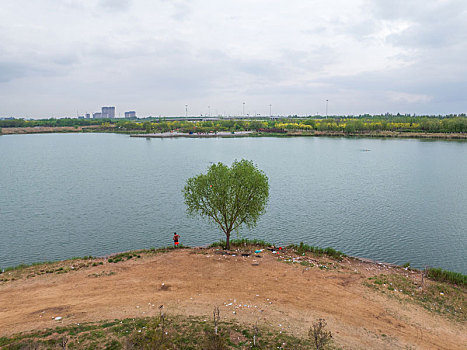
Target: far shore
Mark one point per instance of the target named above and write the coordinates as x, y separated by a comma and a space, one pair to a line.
289, 133
195, 135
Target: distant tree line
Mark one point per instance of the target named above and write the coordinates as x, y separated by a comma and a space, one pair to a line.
355, 125
18, 123
349, 124
195, 127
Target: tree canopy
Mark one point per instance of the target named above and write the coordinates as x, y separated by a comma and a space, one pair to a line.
229, 197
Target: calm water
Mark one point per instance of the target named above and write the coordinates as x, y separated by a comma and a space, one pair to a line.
65, 195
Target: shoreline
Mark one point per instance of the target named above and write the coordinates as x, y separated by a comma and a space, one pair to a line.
167, 248
386, 134
364, 303
206, 246
195, 135
293, 133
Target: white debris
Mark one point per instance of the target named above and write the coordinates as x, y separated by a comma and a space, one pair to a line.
58, 318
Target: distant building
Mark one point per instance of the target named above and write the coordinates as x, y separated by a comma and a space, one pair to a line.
81, 117
108, 112
130, 114
88, 116
97, 115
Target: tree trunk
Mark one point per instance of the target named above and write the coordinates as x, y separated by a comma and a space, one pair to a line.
227, 241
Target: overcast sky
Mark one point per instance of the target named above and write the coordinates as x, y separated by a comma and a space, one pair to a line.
58, 57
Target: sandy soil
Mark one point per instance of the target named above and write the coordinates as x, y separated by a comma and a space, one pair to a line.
248, 289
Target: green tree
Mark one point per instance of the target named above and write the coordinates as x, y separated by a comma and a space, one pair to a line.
228, 197
147, 126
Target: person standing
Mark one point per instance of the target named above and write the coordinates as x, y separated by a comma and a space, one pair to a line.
176, 237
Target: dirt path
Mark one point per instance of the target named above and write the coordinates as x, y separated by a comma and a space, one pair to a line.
248, 289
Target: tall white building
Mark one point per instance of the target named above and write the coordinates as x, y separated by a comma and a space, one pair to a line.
108, 112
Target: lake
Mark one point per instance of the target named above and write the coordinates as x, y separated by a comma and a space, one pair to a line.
392, 200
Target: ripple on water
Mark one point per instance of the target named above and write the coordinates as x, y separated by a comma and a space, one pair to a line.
84, 194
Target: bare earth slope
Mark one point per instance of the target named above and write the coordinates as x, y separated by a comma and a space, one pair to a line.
284, 296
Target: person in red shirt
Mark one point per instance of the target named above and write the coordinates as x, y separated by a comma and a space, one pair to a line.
176, 237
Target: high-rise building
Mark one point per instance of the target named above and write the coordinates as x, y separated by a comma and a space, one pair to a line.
130, 114
108, 112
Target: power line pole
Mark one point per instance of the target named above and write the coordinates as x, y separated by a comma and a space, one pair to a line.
270, 113
186, 111
243, 109
327, 109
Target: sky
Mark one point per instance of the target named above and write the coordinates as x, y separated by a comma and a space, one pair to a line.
168, 57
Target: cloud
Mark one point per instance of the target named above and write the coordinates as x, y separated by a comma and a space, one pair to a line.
12, 70
19, 70
115, 5
404, 97
432, 24
155, 56
181, 10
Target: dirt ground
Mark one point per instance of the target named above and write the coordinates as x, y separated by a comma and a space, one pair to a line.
285, 297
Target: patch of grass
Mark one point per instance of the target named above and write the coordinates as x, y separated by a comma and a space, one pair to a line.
138, 253
439, 297
241, 243
114, 258
307, 263
25, 266
35, 264
447, 276
108, 324
177, 332
114, 344
123, 256
302, 248
102, 274
86, 257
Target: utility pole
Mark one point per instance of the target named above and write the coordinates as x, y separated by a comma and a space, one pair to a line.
270, 113
186, 111
327, 109
243, 109
209, 108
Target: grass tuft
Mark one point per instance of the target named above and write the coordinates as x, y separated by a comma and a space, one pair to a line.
24, 266
137, 253
176, 332
447, 276
305, 248
440, 297
241, 243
